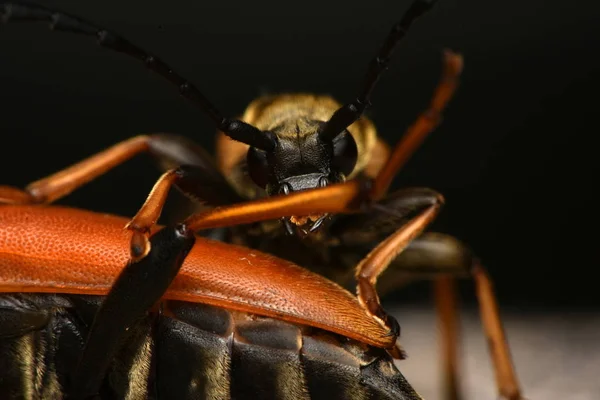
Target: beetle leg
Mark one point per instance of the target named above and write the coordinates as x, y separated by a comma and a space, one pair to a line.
424, 124
193, 182
444, 258
339, 198
440, 258
506, 378
362, 231
377, 261
446, 301
170, 150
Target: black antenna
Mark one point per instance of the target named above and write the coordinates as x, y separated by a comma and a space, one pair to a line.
59, 21
349, 113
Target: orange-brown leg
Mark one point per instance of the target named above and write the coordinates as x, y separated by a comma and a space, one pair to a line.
443, 259
506, 377
408, 144
168, 149
426, 122
376, 262
339, 198
446, 299
62, 183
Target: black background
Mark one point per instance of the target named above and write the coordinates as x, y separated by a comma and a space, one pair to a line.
516, 156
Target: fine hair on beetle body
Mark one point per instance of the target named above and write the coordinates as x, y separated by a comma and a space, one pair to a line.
318, 177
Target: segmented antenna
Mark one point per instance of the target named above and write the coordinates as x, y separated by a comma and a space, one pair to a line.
349, 113
59, 21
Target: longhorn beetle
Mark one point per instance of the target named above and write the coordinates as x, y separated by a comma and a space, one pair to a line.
296, 143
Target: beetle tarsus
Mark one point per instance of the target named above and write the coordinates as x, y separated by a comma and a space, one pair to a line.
140, 245
393, 324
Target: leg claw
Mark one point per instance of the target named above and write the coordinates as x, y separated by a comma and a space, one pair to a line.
393, 324
140, 245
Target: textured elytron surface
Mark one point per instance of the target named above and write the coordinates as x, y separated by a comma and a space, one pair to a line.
53, 249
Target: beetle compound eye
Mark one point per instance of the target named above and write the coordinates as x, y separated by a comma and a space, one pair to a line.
345, 153
258, 166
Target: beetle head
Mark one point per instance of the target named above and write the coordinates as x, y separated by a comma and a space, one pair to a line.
302, 159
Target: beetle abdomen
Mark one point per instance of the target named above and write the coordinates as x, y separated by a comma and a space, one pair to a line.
188, 351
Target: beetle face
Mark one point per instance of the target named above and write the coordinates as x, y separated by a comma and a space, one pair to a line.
302, 160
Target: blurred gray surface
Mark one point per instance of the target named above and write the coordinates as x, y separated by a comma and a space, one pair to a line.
557, 355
